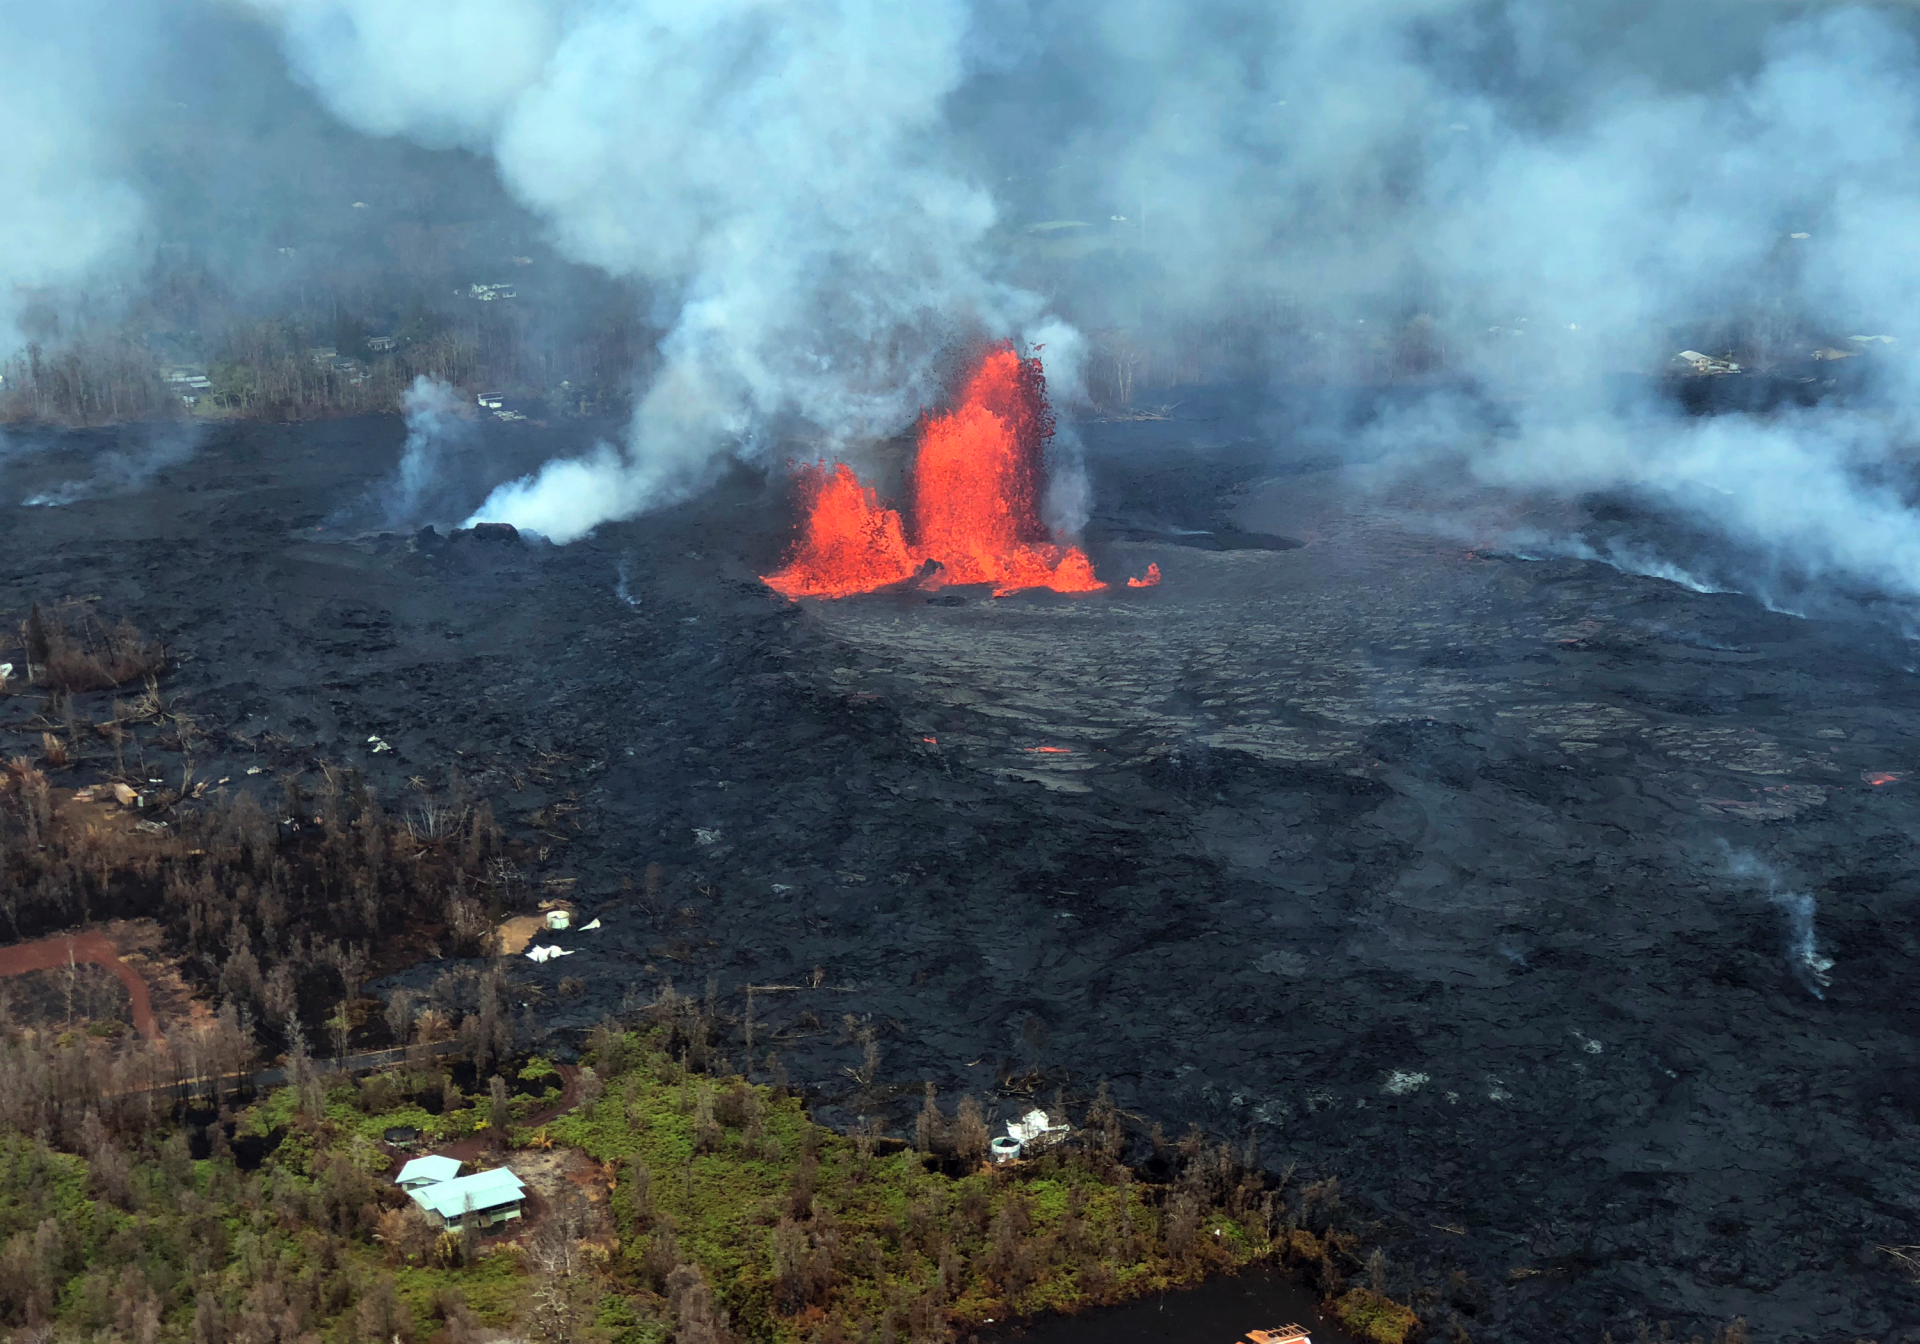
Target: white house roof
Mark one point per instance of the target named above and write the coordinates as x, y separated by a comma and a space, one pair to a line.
1031, 1126
482, 1190
428, 1170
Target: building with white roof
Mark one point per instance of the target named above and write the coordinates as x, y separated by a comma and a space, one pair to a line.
424, 1171
480, 1200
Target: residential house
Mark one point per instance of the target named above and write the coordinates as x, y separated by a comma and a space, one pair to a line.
424, 1171
484, 1199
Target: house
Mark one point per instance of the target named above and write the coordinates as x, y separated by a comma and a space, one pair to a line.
1286, 1334
484, 1199
426, 1171
490, 400
381, 344
1692, 361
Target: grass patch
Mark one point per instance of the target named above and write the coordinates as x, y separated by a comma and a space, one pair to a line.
1374, 1317
807, 1234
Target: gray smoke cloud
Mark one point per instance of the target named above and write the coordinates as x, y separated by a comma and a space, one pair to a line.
135, 456
71, 215
817, 205
821, 200
1810, 966
779, 175
439, 432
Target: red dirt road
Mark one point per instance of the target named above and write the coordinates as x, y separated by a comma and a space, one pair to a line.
474, 1145
91, 947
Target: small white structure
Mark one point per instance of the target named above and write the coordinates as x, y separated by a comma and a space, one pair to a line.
1692, 361
1035, 1130
489, 401
559, 919
548, 953
381, 344
480, 1200
425, 1171
1026, 1136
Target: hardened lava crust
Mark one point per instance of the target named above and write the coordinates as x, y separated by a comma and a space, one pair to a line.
1565, 914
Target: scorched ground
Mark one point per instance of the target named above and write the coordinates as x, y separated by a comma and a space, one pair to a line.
1461, 876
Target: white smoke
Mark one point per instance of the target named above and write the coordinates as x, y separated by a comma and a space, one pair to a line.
1556, 208
778, 173
816, 196
1810, 966
140, 452
437, 433
70, 214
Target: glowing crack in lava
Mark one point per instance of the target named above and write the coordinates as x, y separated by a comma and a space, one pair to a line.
977, 481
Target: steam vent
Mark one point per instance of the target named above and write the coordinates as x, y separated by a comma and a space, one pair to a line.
959, 673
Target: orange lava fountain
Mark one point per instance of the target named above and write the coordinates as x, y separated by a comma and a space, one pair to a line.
1152, 580
977, 481
849, 542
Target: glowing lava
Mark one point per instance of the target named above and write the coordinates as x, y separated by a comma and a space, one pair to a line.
977, 480
1151, 581
849, 542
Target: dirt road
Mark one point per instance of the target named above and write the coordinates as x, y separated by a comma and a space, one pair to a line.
89, 947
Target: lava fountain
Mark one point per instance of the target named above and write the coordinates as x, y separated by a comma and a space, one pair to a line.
978, 475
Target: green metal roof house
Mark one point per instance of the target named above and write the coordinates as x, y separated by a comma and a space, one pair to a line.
480, 1200
425, 1171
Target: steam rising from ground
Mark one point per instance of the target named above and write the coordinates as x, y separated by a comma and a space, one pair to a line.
814, 206
824, 201
437, 433
1809, 965
71, 216
138, 455
781, 174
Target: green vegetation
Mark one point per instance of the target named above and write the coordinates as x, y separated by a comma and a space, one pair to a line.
1374, 1317
673, 1205
805, 1234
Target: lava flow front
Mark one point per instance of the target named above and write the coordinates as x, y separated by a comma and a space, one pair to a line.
977, 481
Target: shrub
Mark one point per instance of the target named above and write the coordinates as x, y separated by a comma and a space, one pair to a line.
1375, 1317
73, 650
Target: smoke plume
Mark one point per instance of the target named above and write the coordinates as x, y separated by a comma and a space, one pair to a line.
779, 176
71, 215
438, 434
138, 453
812, 208
1811, 967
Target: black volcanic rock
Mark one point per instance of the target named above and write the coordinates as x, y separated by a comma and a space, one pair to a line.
1398, 864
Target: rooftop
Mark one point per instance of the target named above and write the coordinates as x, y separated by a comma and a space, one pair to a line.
428, 1170
482, 1190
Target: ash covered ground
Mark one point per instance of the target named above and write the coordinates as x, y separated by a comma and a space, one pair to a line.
1549, 906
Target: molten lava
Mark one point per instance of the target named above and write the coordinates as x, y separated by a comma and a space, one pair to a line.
849, 542
977, 481
1152, 580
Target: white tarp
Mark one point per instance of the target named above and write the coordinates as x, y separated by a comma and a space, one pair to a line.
548, 953
1033, 1125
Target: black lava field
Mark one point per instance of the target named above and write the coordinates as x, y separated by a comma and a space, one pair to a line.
1555, 909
